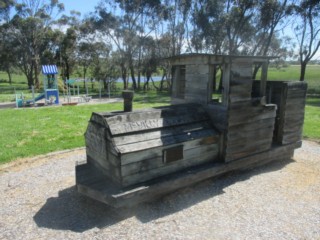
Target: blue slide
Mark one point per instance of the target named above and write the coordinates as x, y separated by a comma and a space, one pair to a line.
39, 97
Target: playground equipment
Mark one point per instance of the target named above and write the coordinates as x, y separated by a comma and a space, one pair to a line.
73, 93
137, 156
50, 86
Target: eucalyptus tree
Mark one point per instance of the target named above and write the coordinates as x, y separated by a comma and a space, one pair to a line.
5, 10
269, 21
68, 43
126, 24
29, 28
7, 60
307, 31
208, 17
7, 48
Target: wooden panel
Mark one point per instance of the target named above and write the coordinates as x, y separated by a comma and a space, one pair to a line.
291, 113
161, 112
150, 124
157, 162
252, 116
152, 153
218, 116
170, 168
197, 69
156, 134
168, 140
235, 155
262, 123
251, 134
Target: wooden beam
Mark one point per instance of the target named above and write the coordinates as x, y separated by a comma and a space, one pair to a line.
264, 75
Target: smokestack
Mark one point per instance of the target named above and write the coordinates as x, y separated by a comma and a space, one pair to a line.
127, 100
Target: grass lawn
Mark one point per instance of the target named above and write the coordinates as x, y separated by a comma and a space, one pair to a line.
311, 128
292, 72
32, 131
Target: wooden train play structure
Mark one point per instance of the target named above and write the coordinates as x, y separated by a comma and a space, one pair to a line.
135, 156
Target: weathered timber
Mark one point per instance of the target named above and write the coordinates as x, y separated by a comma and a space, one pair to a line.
143, 154
145, 137
158, 151
191, 159
104, 191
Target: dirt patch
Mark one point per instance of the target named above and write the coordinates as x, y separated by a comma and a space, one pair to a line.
278, 201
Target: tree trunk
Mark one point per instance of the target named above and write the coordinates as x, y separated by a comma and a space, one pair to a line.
84, 77
124, 77
214, 84
36, 75
67, 71
303, 70
146, 84
255, 71
139, 80
9, 76
134, 83
220, 83
162, 79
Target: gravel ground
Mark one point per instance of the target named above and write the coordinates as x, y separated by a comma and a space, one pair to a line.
278, 201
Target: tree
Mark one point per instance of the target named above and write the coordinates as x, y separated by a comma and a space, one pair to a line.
5, 9
7, 49
270, 15
126, 28
307, 32
29, 29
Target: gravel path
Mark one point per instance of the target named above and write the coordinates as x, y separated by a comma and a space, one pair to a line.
277, 201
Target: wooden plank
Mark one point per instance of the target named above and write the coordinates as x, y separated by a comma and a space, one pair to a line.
235, 155
170, 168
160, 112
234, 99
156, 134
253, 134
150, 124
157, 162
226, 82
240, 105
293, 117
137, 156
119, 197
292, 137
113, 173
98, 118
293, 124
262, 123
240, 81
297, 94
197, 69
240, 90
247, 143
169, 140
251, 115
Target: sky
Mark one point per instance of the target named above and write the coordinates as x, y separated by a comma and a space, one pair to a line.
82, 6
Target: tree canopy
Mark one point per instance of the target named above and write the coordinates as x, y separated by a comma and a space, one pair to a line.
130, 38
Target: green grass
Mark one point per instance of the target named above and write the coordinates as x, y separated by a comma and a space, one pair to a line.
292, 72
32, 131
311, 127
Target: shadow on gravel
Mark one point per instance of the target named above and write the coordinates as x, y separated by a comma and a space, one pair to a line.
74, 212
